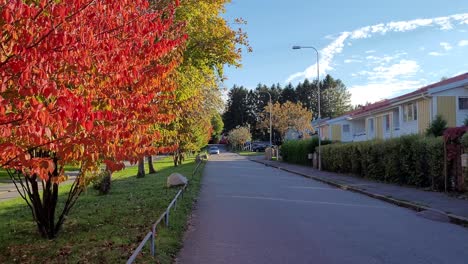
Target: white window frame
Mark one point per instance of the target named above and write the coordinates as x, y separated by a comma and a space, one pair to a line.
344, 130
387, 126
371, 128
410, 112
461, 97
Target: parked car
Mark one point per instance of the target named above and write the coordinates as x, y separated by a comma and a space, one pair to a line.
213, 150
258, 147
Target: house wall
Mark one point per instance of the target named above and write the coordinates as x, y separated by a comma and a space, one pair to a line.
424, 115
324, 132
358, 130
460, 115
336, 132
370, 129
407, 127
390, 132
379, 131
446, 106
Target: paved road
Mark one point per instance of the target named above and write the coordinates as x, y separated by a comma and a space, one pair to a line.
250, 213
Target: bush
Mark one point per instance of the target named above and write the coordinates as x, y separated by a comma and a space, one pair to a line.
102, 182
412, 160
464, 140
437, 127
296, 151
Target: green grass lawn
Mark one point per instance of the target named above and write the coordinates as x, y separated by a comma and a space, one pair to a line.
103, 229
250, 153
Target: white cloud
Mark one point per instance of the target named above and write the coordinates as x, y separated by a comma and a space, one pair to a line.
382, 60
385, 81
422, 48
326, 57
446, 46
376, 91
370, 51
336, 46
434, 53
404, 68
351, 60
463, 43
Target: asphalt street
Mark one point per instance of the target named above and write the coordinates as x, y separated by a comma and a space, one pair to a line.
250, 213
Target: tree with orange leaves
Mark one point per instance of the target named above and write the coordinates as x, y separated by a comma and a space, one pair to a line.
81, 81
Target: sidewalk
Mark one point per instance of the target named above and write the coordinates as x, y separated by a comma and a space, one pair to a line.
8, 189
454, 208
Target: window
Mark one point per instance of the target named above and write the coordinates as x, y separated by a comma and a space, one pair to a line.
346, 128
371, 125
463, 103
387, 122
410, 112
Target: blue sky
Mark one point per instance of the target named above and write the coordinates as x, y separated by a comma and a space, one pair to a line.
379, 49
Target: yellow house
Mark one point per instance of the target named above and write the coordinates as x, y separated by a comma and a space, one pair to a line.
410, 113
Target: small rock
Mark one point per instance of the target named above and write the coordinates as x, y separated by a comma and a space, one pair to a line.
176, 179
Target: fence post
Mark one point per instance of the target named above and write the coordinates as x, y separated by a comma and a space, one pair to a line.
167, 217
153, 237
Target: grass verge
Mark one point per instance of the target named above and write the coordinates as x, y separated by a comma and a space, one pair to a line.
103, 229
250, 153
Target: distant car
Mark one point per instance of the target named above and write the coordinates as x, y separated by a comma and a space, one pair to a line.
258, 148
213, 150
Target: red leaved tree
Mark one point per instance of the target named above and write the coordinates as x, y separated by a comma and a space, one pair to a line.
81, 81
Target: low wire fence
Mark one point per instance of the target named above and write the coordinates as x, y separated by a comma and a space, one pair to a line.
152, 234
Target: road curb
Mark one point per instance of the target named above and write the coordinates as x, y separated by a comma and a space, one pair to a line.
455, 219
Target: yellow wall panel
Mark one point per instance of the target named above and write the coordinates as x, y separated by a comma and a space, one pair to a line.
379, 127
424, 115
324, 132
336, 132
446, 107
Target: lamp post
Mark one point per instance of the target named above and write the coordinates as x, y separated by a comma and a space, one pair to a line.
271, 111
318, 100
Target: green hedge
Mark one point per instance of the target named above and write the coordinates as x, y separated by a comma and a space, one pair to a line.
296, 151
412, 160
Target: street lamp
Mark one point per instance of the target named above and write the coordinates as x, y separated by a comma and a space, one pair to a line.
271, 111
318, 101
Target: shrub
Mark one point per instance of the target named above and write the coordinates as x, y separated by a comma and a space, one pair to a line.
465, 121
102, 182
412, 160
437, 127
464, 140
296, 151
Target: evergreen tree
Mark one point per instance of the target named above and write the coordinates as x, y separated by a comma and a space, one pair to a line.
237, 108
335, 98
244, 107
288, 94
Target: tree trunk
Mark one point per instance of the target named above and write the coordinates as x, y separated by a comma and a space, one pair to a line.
105, 184
44, 210
175, 158
181, 158
150, 165
141, 168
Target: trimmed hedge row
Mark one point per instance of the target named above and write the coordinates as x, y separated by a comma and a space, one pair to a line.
412, 160
296, 151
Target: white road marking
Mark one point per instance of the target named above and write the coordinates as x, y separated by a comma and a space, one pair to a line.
299, 201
